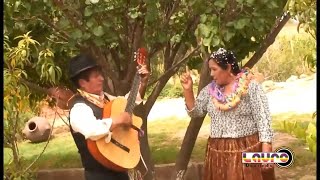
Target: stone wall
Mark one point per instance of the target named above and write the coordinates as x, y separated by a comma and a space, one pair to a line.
163, 172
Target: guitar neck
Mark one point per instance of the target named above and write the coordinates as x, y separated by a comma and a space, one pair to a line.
133, 94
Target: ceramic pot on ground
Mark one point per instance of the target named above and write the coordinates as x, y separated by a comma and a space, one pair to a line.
37, 129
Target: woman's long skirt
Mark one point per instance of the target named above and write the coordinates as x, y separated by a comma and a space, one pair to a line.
224, 159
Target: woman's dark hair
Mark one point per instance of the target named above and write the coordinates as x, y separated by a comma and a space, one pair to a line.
84, 75
223, 57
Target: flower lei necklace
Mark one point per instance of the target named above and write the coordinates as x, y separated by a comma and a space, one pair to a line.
240, 88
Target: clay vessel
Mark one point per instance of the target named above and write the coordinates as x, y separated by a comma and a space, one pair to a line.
37, 129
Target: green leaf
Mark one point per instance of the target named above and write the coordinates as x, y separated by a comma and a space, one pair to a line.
228, 35
272, 4
76, 34
220, 3
62, 23
152, 12
207, 41
27, 6
215, 41
290, 126
133, 15
86, 36
161, 37
256, 13
250, 2
230, 24
88, 11
59, 72
312, 130
241, 23
203, 18
311, 142
205, 31
299, 132
191, 2
98, 31
90, 23
52, 74
107, 24
176, 38
99, 41
258, 24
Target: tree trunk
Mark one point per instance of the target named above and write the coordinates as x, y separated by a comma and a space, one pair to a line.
192, 131
15, 153
144, 146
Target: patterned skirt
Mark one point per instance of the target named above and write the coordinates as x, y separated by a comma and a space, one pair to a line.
224, 159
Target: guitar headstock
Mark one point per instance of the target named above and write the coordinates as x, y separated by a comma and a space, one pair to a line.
140, 56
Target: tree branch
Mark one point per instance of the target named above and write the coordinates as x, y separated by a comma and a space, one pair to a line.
35, 86
102, 61
155, 49
136, 41
62, 34
269, 40
116, 60
171, 12
192, 131
173, 69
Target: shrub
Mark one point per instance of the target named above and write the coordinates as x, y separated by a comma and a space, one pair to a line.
305, 131
285, 57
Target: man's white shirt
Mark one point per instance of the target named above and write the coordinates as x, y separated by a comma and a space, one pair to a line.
83, 120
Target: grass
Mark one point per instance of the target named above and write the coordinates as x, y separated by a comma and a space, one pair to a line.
165, 138
61, 152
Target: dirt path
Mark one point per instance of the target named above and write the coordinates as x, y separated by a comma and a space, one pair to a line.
304, 166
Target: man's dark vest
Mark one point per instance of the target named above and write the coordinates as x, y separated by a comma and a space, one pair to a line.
88, 162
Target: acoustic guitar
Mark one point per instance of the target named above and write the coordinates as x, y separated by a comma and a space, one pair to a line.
123, 151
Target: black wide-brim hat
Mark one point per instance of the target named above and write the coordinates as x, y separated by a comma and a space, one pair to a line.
81, 63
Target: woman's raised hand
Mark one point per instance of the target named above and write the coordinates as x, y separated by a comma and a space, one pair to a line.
186, 80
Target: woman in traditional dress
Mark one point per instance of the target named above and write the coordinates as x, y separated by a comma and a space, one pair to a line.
240, 119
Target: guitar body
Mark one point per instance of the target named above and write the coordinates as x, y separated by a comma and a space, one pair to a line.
111, 155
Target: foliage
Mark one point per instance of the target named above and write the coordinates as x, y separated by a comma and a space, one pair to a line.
305, 12
110, 29
285, 57
172, 91
16, 97
304, 130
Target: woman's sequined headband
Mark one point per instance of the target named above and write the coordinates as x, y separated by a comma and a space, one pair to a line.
222, 56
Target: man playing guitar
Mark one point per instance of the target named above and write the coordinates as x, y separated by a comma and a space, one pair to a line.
86, 120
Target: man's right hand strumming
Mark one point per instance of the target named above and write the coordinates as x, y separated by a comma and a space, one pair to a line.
124, 119
187, 85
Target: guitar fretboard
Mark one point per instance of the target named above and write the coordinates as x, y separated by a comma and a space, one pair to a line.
133, 94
